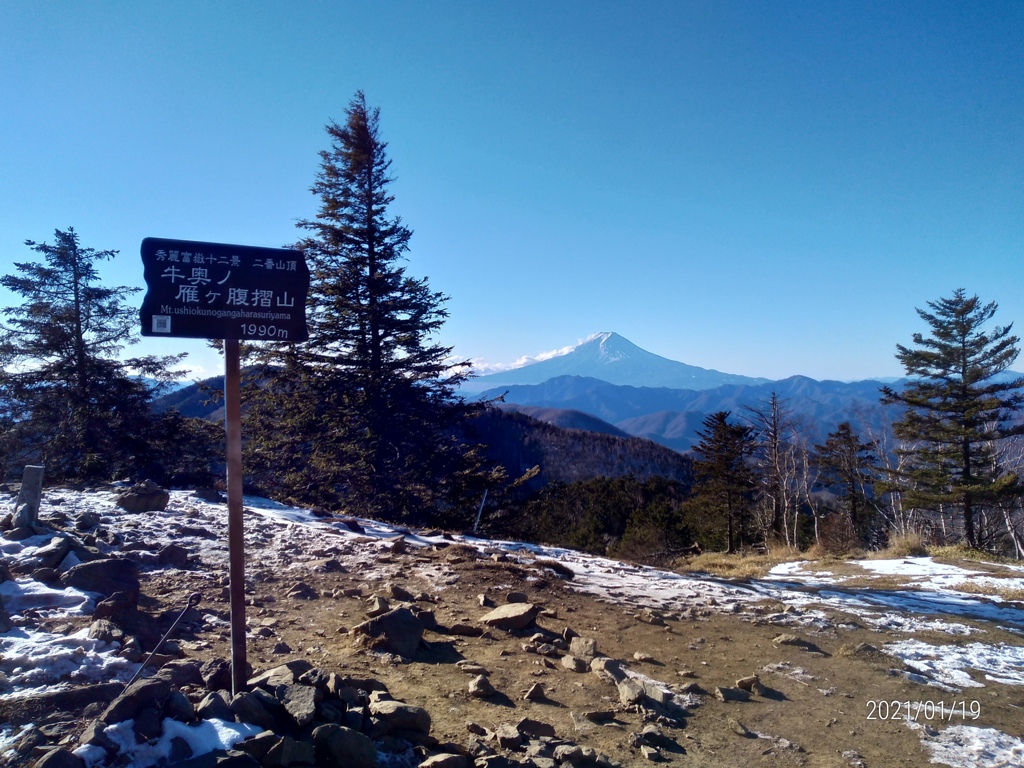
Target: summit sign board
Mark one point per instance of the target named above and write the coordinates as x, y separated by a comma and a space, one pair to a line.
202, 290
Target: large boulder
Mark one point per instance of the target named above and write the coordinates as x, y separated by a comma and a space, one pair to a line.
511, 616
337, 745
138, 696
400, 716
146, 496
397, 631
105, 577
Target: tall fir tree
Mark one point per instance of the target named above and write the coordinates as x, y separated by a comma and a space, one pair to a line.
724, 480
850, 468
68, 399
365, 413
957, 408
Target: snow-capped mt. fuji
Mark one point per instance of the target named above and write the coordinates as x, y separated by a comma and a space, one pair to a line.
616, 360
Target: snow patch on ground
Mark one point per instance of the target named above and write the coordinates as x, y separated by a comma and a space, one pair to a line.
947, 664
33, 662
967, 746
202, 738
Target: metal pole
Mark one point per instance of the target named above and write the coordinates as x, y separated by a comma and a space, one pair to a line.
193, 601
480, 511
236, 538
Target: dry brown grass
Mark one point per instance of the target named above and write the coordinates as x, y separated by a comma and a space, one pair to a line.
738, 566
910, 544
964, 552
826, 554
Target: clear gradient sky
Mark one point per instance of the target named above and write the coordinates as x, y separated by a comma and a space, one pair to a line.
765, 188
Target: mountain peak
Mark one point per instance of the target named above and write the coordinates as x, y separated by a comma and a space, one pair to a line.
612, 358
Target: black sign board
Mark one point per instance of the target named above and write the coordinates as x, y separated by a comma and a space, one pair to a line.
217, 291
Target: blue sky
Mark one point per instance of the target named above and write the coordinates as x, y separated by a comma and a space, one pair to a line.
763, 188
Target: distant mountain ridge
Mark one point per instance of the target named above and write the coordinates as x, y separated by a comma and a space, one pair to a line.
616, 360
673, 416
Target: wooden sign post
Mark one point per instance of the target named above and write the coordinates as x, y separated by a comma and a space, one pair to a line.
231, 292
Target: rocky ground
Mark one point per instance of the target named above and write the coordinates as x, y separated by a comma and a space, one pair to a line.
479, 654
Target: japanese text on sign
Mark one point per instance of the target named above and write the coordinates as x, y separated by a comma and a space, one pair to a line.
212, 290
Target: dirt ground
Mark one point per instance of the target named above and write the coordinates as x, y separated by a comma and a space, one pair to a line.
816, 710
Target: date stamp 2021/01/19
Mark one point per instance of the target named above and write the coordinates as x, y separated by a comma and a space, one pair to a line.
915, 711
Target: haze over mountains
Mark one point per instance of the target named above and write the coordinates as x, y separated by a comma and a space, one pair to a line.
646, 395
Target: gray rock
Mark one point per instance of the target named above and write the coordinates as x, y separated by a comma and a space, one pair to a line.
397, 631
427, 618
211, 495
216, 674
59, 758
105, 631
536, 728
179, 707
181, 672
651, 754
797, 642
517, 597
288, 751
87, 520
249, 709
137, 697
480, 687
300, 702
401, 717
397, 592
569, 753
584, 647
511, 616
337, 745
656, 691
378, 607
146, 496
55, 550
725, 693
748, 683
445, 761
630, 692
740, 729
653, 735
259, 745
105, 577
610, 667
95, 736
285, 674
148, 724
173, 555
302, 591
216, 704
508, 736
535, 693
180, 750
575, 663
46, 576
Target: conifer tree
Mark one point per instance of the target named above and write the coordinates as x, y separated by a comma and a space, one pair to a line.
68, 400
724, 480
365, 413
957, 408
850, 467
